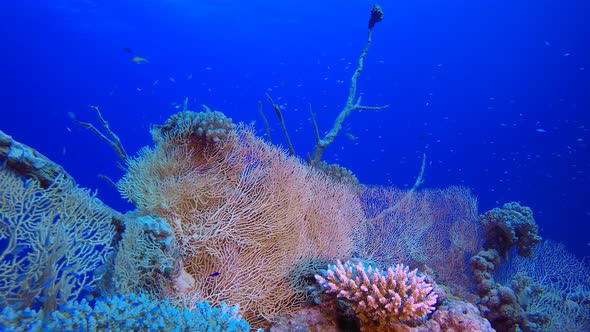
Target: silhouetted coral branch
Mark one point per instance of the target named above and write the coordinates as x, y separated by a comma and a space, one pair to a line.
279, 114
112, 139
351, 105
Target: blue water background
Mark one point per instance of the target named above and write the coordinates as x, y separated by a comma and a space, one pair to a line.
494, 92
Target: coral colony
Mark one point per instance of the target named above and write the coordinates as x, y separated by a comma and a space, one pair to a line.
232, 233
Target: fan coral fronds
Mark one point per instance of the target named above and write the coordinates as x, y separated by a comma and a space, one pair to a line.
52, 240
380, 297
249, 220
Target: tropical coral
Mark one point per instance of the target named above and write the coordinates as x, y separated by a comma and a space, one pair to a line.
512, 225
453, 316
552, 285
143, 261
338, 172
436, 230
380, 299
250, 221
130, 313
51, 239
211, 126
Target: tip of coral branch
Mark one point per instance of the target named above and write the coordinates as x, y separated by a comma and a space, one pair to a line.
376, 15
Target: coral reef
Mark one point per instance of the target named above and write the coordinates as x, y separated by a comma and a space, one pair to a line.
380, 299
130, 313
250, 221
423, 228
143, 263
51, 241
452, 316
223, 217
506, 228
511, 226
552, 285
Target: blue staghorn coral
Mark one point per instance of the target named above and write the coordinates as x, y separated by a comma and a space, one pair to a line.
130, 313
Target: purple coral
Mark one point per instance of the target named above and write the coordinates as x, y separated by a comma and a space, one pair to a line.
380, 297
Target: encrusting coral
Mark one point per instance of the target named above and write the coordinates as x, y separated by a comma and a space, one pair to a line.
211, 126
511, 226
506, 228
380, 298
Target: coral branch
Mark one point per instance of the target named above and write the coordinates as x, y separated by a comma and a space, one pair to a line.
266, 125
111, 138
351, 105
315, 125
277, 110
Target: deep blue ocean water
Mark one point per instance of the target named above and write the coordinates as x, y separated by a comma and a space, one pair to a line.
494, 92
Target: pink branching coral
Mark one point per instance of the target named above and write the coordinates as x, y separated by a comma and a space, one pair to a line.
380, 297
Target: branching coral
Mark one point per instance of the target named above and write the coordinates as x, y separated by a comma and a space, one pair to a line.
129, 313
380, 299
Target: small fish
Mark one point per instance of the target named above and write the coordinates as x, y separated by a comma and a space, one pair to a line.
189, 77
155, 82
139, 60
67, 268
214, 274
540, 130
18, 249
208, 68
351, 136
171, 79
77, 276
127, 50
